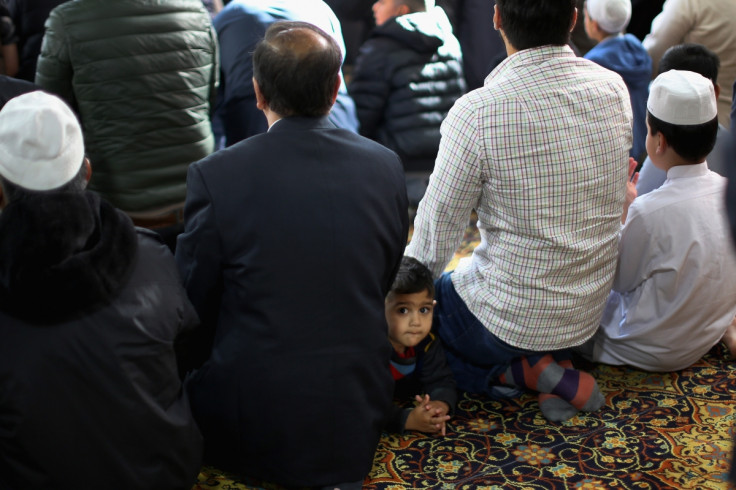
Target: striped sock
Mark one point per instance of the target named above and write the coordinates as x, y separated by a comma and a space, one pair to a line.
555, 409
543, 374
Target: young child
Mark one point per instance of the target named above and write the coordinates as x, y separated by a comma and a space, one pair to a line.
605, 21
418, 361
673, 293
697, 58
406, 77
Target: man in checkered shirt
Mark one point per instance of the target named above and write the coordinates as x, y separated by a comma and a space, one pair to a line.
541, 153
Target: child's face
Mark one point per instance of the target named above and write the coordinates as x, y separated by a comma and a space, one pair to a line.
409, 318
383, 10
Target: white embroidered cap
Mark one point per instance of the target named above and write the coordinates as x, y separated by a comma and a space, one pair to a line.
612, 15
683, 98
41, 143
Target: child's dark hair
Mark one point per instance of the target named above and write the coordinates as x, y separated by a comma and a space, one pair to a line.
413, 277
691, 142
691, 57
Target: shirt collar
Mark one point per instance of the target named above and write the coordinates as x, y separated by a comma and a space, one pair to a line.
530, 56
274, 124
685, 171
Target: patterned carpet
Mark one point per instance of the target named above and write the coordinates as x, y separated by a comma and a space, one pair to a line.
656, 431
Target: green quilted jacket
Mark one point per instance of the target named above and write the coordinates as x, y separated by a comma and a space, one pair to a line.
142, 76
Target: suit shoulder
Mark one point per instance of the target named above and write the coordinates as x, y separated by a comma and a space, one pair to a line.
240, 151
367, 143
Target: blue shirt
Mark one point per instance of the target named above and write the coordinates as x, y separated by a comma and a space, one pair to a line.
625, 55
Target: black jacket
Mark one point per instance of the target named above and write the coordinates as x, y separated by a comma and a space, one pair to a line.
89, 392
406, 78
431, 376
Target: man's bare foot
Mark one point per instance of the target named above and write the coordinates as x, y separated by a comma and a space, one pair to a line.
729, 338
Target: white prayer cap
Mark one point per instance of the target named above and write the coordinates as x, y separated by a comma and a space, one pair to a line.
612, 15
41, 143
683, 98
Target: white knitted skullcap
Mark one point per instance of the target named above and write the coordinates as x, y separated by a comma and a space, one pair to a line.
682, 98
41, 144
612, 15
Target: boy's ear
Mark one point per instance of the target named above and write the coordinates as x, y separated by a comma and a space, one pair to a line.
662, 143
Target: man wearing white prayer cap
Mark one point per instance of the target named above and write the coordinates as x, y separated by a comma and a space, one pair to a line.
672, 297
604, 23
90, 308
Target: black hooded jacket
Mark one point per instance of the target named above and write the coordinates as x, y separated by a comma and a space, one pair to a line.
89, 391
406, 78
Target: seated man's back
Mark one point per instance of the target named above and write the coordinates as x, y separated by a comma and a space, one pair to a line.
89, 311
539, 152
292, 240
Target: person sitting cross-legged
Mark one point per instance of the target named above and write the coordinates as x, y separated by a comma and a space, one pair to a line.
540, 153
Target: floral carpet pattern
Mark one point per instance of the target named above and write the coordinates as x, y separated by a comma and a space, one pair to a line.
656, 431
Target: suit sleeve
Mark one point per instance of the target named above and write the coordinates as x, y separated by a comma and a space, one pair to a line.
198, 250
54, 70
397, 418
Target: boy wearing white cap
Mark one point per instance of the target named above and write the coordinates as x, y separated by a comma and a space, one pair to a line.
605, 21
672, 296
90, 308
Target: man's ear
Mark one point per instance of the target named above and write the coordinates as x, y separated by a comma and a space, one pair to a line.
496, 18
403, 10
260, 99
88, 168
717, 89
335, 90
574, 19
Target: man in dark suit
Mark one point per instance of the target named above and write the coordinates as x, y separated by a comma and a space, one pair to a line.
292, 239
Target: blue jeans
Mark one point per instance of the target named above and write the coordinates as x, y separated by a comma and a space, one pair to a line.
476, 356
